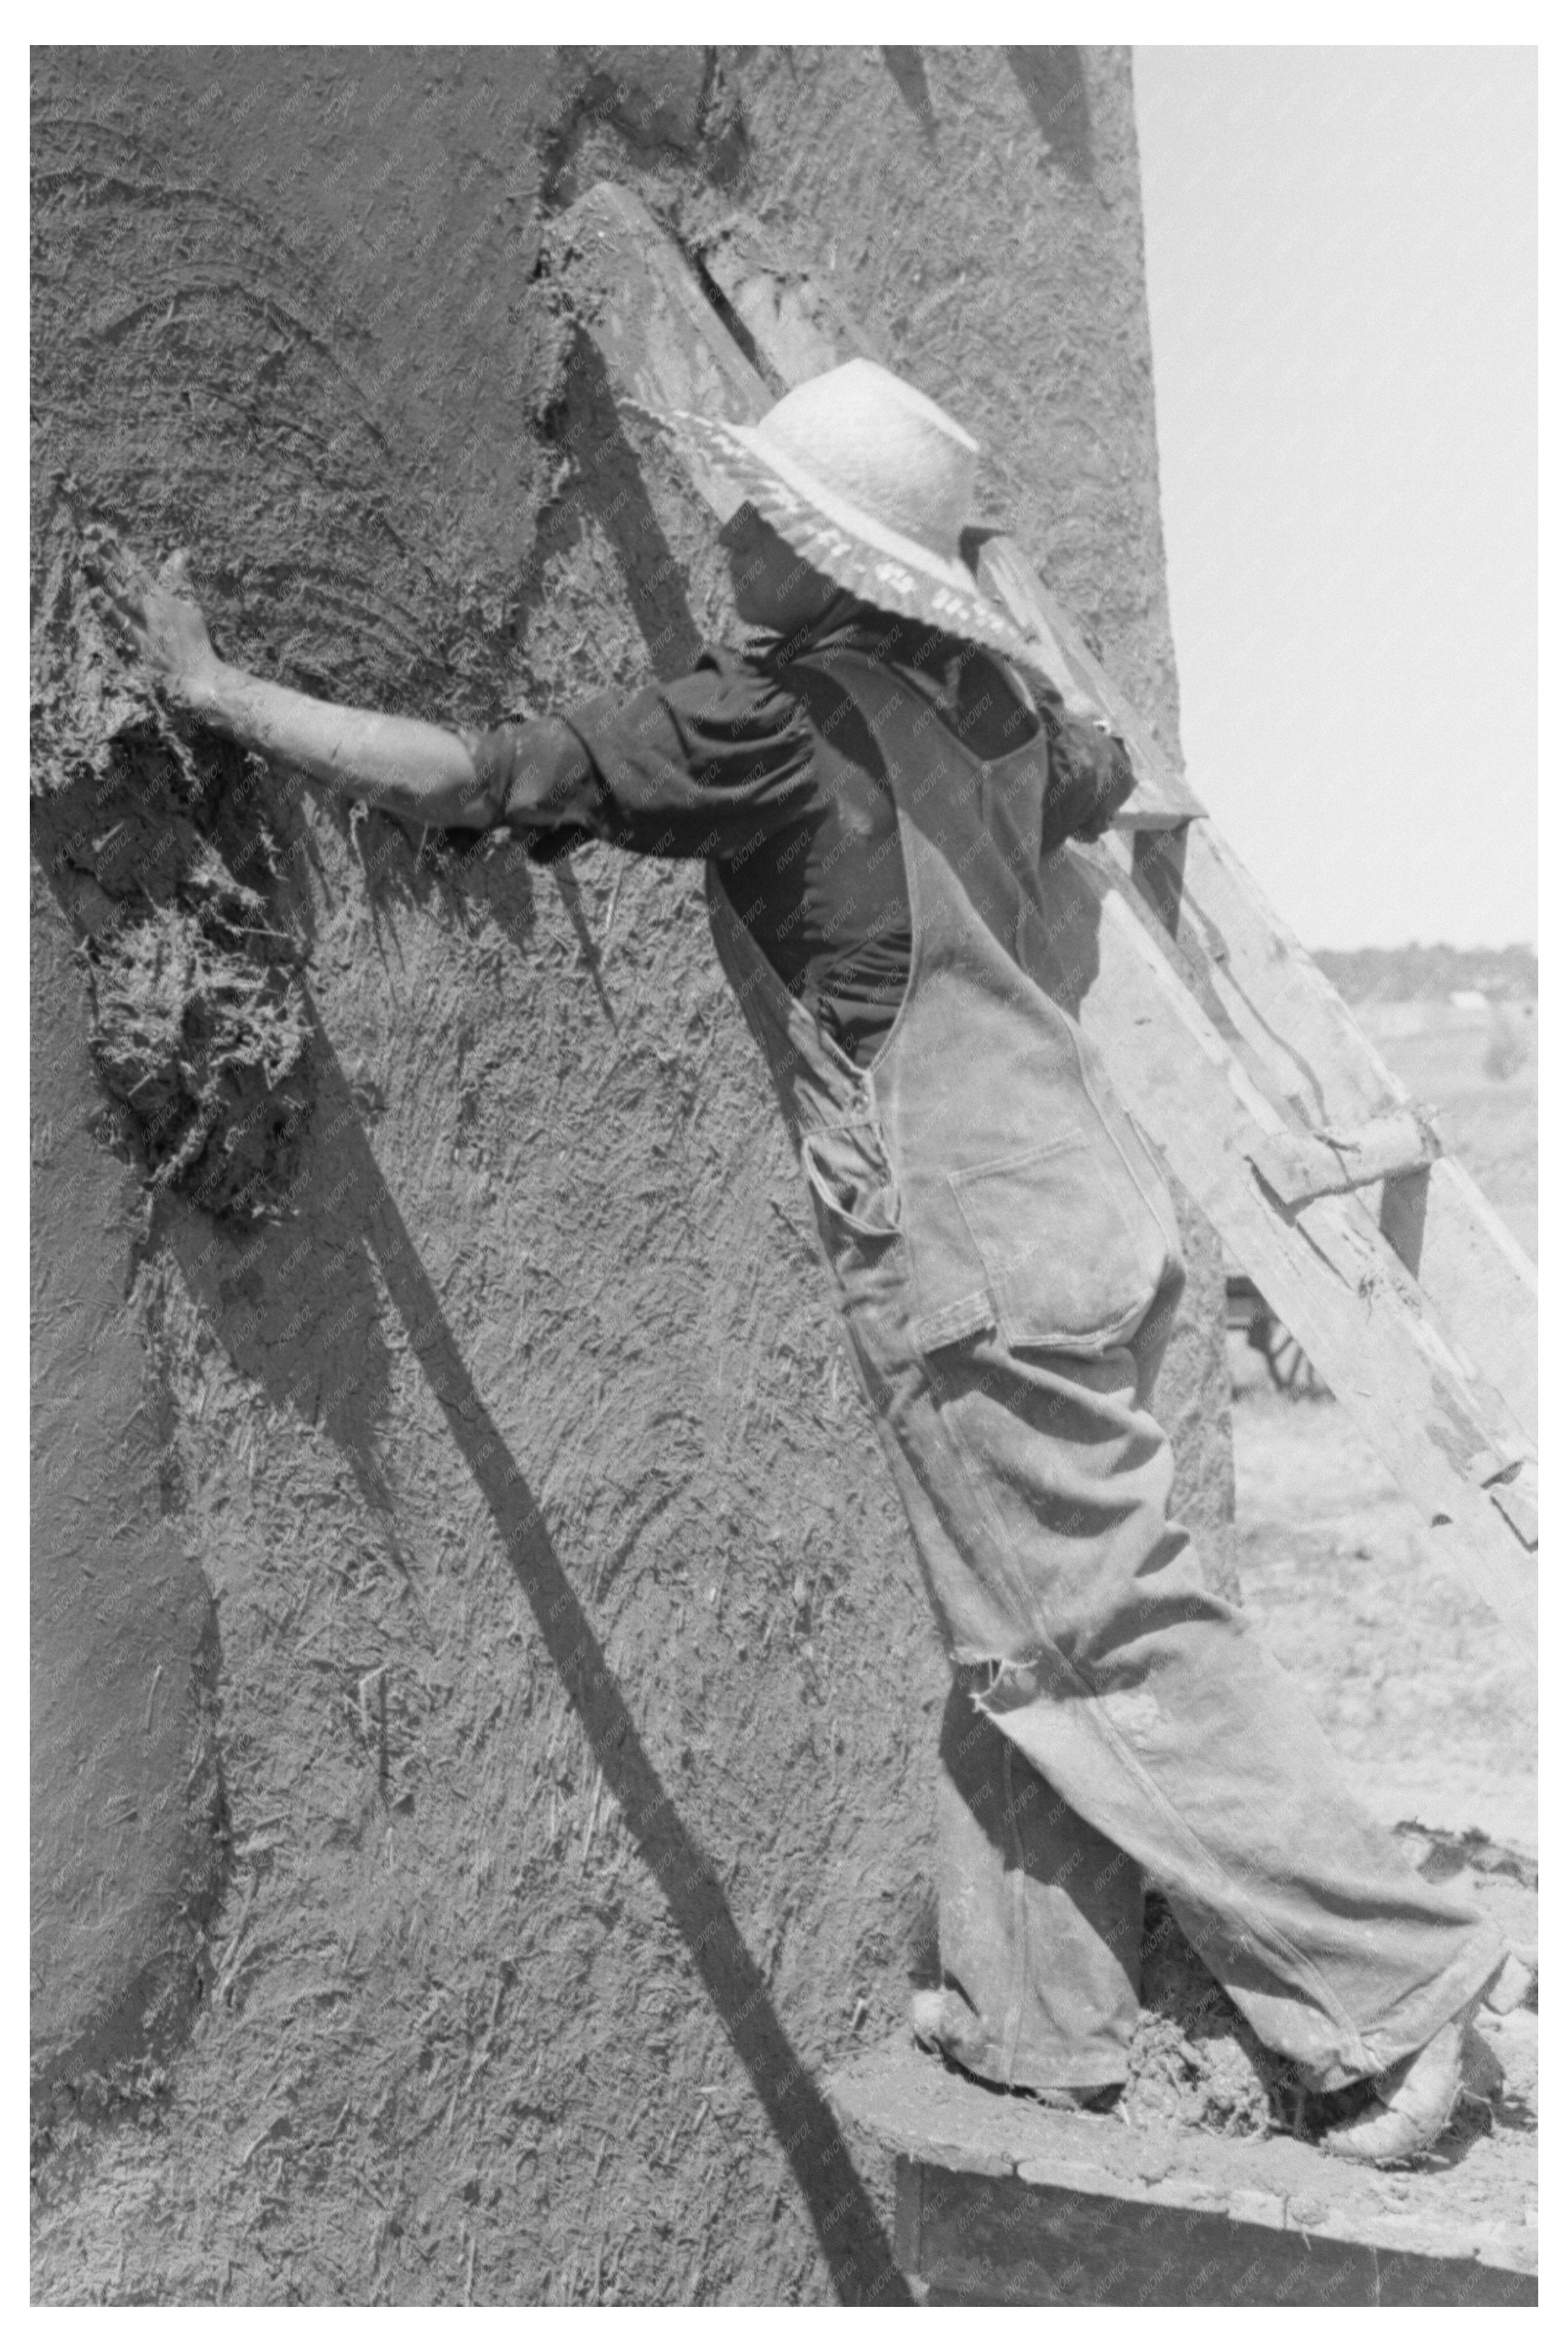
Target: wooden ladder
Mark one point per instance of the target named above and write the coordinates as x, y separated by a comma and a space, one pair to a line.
1233, 1051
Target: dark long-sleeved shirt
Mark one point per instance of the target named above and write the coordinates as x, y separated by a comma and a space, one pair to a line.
761, 762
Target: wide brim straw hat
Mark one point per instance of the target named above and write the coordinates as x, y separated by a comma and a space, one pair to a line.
872, 484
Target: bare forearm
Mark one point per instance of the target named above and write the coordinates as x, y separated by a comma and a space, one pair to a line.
406, 765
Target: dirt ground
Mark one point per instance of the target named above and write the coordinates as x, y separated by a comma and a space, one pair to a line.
1424, 1695
1414, 1680
1418, 1687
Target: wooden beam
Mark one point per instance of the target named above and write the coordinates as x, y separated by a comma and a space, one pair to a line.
1301, 1168
662, 341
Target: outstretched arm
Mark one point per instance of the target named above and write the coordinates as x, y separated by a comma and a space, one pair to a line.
406, 765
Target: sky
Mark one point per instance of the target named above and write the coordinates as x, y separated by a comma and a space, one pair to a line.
1341, 251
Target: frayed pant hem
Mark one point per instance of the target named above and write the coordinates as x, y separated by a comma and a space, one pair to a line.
1034, 2071
1418, 2018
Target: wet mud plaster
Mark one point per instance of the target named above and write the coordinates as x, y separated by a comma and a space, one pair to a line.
154, 842
575, 1693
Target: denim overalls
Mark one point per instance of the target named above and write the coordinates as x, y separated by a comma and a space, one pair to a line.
1007, 1261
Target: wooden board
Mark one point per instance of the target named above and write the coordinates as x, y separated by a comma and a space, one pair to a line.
1000, 2200
1221, 1035
663, 344
1017, 2242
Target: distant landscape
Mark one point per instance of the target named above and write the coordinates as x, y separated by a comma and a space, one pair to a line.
1417, 974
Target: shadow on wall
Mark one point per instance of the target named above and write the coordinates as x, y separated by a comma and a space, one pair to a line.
583, 420
848, 2229
676, 99
1052, 81
908, 69
1053, 84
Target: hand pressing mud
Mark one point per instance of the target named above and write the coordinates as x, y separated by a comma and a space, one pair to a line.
162, 847
406, 765
155, 617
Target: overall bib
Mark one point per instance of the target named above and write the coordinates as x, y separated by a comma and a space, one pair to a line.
1007, 1261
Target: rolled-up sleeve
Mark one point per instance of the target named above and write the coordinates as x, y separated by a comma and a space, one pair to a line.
542, 784
699, 768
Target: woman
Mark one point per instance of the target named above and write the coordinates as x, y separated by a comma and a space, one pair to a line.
877, 795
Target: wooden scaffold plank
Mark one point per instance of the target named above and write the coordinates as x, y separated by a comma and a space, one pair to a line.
1001, 2201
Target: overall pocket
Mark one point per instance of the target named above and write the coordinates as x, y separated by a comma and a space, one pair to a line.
1073, 1254
847, 1168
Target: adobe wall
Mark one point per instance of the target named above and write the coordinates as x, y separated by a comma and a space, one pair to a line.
512, 1698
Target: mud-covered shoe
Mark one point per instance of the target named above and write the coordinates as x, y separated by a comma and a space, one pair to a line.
1413, 2104
944, 2022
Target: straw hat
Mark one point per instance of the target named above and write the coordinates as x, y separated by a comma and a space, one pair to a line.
872, 483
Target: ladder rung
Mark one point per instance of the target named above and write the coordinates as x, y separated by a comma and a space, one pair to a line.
1136, 817
1301, 1168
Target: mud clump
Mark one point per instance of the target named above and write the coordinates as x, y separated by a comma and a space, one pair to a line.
1194, 2060
204, 1046
158, 847
1196, 2063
